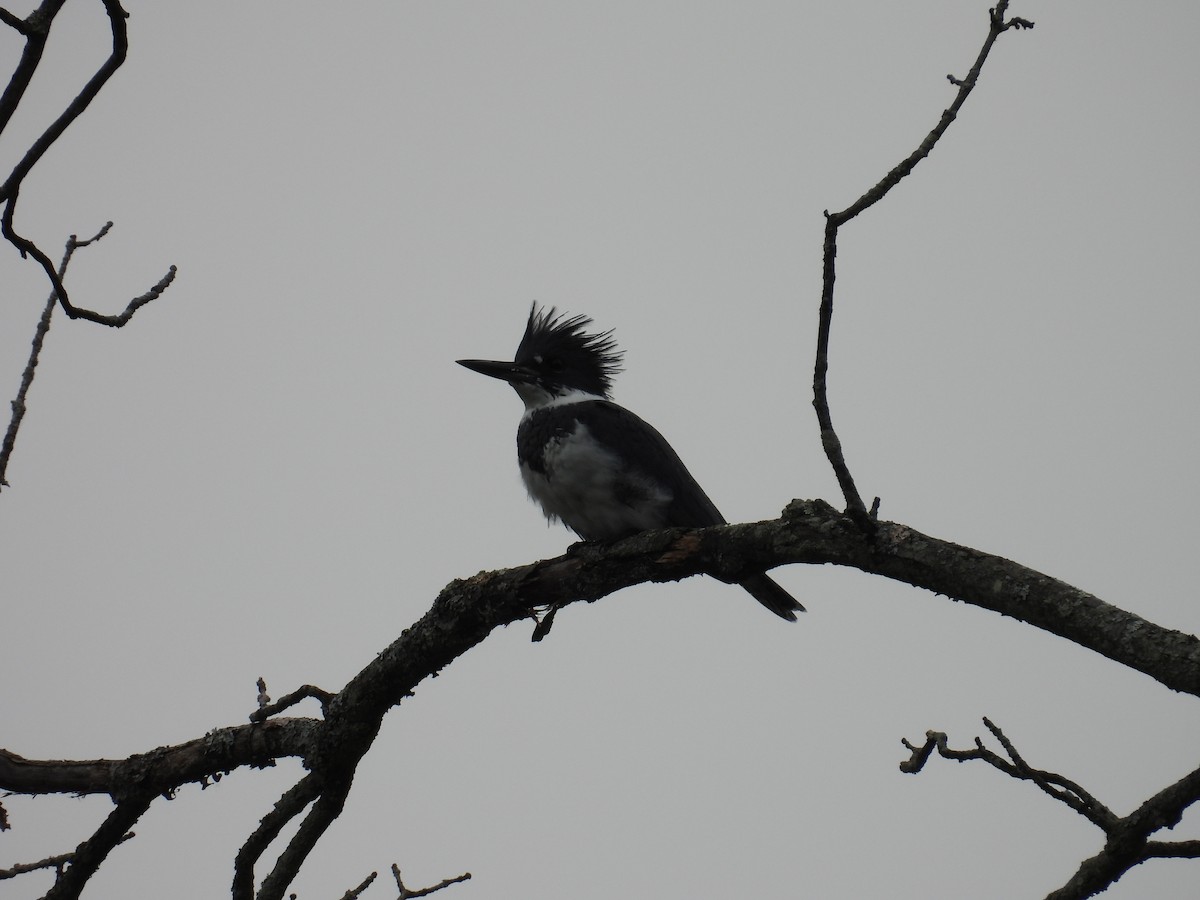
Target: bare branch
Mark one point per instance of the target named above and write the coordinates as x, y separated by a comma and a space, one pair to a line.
290, 805
50, 862
1173, 849
36, 29
165, 769
39, 24
323, 813
91, 853
13, 22
1057, 786
267, 709
855, 507
1127, 841
355, 893
407, 893
39, 338
1060, 788
468, 610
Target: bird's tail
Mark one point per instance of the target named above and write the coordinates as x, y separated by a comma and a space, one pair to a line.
772, 596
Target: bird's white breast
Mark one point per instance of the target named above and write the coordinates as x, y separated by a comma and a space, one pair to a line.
586, 487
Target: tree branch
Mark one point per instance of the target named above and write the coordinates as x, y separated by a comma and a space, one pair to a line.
323, 813
1062, 789
91, 853
36, 28
1127, 841
50, 862
163, 770
832, 445
290, 805
467, 611
409, 893
356, 892
39, 338
267, 709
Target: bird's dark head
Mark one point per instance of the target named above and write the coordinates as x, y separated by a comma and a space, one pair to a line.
557, 355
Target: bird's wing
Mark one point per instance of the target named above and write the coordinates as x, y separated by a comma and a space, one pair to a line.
618, 428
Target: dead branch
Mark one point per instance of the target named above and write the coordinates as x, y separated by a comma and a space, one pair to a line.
355, 893
50, 862
165, 769
39, 339
91, 853
855, 507
467, 611
36, 29
1127, 842
266, 708
408, 893
291, 804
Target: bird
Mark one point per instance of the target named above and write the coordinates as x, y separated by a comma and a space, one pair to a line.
589, 462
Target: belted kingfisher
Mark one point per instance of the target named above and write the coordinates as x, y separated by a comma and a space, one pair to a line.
592, 464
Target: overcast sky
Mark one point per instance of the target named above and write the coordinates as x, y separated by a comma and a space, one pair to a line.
275, 467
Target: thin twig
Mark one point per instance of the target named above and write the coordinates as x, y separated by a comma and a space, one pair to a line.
855, 507
305, 691
408, 893
50, 862
355, 893
39, 338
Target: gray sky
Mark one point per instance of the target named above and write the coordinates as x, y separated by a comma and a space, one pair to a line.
277, 465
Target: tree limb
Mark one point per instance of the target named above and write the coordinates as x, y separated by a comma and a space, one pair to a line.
267, 708
39, 339
832, 445
91, 853
36, 29
409, 893
467, 611
290, 805
324, 811
165, 769
50, 862
1127, 841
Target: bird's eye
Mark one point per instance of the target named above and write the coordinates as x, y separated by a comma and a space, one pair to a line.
554, 365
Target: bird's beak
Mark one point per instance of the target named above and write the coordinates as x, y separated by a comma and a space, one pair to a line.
505, 371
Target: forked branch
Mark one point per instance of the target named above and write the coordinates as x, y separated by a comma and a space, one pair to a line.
39, 339
36, 30
1127, 838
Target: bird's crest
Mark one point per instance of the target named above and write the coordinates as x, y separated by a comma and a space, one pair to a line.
563, 349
